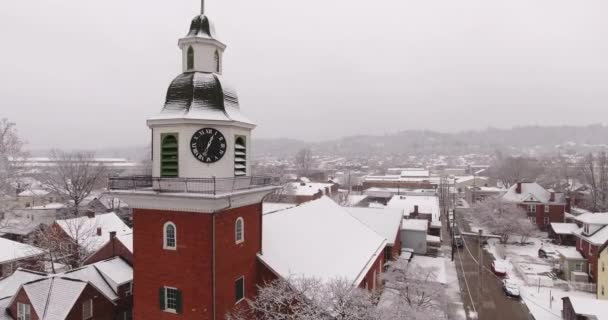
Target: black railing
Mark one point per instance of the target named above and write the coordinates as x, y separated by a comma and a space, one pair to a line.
210, 186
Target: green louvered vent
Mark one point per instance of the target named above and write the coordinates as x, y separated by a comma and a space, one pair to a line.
169, 157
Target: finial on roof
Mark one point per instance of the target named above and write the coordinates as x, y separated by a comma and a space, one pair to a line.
202, 6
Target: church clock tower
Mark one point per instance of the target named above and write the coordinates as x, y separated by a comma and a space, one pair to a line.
197, 219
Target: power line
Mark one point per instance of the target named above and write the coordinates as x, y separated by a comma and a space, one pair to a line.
464, 275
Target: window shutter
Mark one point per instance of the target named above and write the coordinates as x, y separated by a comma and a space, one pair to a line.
178, 300
161, 295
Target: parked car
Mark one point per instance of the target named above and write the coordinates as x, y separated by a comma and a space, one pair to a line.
499, 268
547, 253
510, 288
458, 241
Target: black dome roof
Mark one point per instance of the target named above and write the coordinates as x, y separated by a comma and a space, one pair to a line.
199, 90
202, 27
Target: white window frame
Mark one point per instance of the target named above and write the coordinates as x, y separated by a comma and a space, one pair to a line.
547, 208
532, 220
167, 309
24, 311
87, 303
590, 250
532, 208
374, 280
165, 246
240, 239
237, 279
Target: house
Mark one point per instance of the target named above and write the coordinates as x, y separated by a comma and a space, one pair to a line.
15, 254
577, 308
563, 233
543, 207
100, 291
417, 205
304, 242
462, 183
602, 272
590, 237
385, 222
414, 235
36, 197
474, 194
304, 191
117, 246
572, 264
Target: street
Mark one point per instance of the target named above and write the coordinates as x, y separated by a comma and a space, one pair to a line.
489, 301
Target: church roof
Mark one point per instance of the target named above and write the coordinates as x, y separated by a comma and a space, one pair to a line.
201, 27
201, 95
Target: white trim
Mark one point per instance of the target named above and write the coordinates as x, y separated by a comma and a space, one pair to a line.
87, 303
167, 309
165, 246
24, 311
236, 235
237, 279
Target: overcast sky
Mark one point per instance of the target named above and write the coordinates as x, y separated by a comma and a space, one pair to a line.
86, 74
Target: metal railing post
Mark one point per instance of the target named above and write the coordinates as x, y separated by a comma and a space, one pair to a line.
214, 186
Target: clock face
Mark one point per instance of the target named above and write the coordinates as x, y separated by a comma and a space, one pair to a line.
208, 145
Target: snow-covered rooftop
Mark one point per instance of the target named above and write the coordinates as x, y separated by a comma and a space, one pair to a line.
53, 298
590, 307
564, 228
593, 218
126, 240
268, 207
33, 193
531, 192
386, 222
10, 284
570, 253
306, 189
319, 239
415, 225
85, 229
426, 204
13, 251
598, 238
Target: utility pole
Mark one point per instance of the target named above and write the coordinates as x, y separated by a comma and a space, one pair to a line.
480, 274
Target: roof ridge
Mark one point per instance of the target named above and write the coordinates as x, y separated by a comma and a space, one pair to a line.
48, 297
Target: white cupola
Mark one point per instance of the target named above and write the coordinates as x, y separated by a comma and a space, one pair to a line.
201, 51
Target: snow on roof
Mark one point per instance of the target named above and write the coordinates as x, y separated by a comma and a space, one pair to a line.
570, 253
355, 199
319, 239
426, 204
433, 239
415, 173
593, 218
53, 298
306, 189
12, 251
33, 193
415, 225
116, 270
268, 207
85, 229
564, 228
4, 303
18, 226
589, 307
49, 206
598, 238
126, 240
530, 191
12, 283
386, 222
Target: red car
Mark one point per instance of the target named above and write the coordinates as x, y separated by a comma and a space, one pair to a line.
499, 268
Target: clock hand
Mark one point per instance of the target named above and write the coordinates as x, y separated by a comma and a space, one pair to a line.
209, 145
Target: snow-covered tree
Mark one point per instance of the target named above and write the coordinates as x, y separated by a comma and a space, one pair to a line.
304, 161
594, 172
74, 177
502, 219
11, 153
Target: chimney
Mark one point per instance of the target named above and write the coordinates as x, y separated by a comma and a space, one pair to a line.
91, 213
568, 205
98, 231
112, 235
518, 188
415, 213
552, 199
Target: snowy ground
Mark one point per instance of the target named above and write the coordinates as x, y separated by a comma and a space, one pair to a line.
543, 302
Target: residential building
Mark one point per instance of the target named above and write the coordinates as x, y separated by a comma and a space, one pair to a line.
403, 178
117, 246
15, 254
417, 205
578, 308
602, 272
563, 233
385, 222
590, 237
542, 206
414, 235
573, 265
305, 190
474, 194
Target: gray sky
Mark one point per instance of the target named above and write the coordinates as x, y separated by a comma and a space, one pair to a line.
86, 74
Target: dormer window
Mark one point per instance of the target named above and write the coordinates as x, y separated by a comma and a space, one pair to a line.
190, 59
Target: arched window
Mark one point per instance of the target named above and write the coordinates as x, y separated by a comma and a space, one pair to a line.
169, 236
239, 230
190, 59
216, 59
169, 156
240, 157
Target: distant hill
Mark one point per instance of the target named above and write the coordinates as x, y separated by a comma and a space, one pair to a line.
541, 140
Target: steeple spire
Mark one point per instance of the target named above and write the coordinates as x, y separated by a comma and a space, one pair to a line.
202, 7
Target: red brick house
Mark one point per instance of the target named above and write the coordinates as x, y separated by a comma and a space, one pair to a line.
543, 207
590, 237
15, 254
304, 191
578, 308
118, 246
386, 222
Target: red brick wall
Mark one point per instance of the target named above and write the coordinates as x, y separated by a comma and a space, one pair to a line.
103, 309
556, 214
107, 252
368, 280
583, 247
22, 298
189, 268
396, 250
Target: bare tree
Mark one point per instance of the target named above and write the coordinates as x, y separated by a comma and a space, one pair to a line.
11, 154
308, 299
594, 173
304, 161
511, 170
412, 292
74, 177
503, 219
